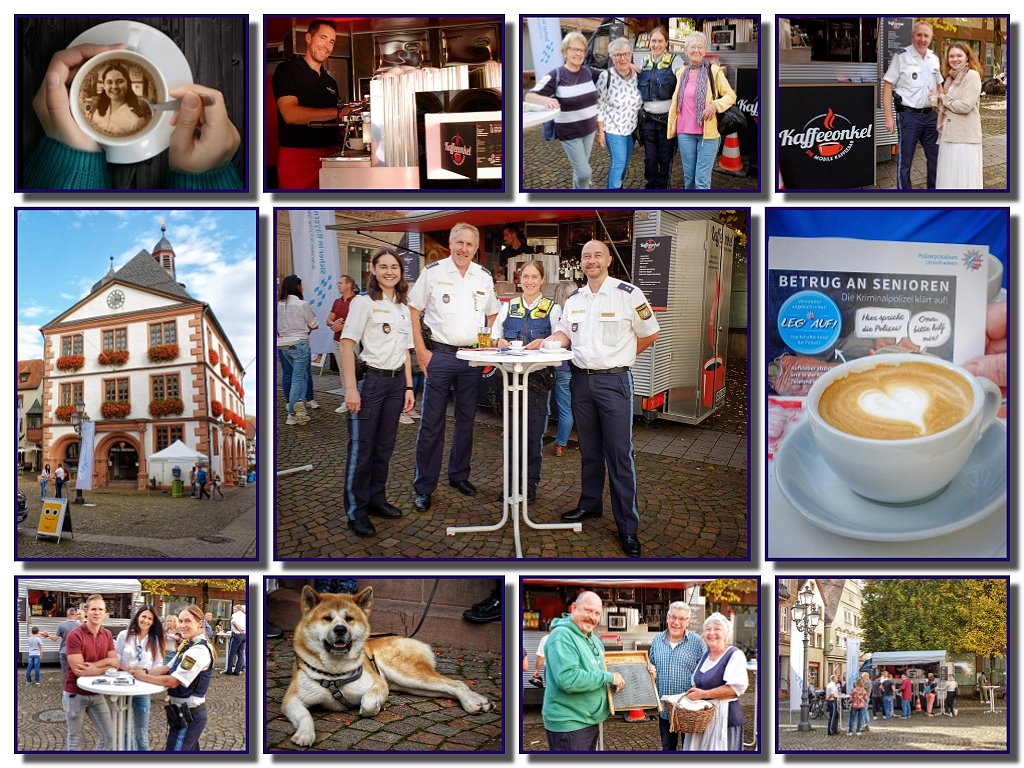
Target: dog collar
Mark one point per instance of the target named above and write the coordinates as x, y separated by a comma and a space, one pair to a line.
334, 683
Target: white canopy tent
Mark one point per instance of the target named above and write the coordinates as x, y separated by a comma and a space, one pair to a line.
177, 454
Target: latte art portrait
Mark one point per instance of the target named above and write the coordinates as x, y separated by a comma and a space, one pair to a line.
896, 402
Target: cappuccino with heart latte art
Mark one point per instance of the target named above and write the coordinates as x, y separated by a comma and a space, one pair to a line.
896, 401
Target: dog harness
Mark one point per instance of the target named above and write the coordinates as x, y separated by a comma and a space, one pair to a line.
335, 683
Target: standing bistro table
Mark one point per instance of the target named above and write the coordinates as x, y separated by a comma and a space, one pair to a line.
991, 699
515, 368
120, 697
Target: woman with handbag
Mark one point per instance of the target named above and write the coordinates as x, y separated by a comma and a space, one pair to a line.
721, 677
702, 93
959, 123
617, 109
571, 89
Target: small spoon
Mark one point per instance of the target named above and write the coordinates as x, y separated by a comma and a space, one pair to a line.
173, 104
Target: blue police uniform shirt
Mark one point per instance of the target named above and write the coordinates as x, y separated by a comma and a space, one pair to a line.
604, 326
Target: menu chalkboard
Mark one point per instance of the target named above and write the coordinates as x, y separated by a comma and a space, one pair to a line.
652, 258
896, 31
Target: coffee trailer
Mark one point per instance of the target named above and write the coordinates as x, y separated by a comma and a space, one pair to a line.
121, 595
681, 258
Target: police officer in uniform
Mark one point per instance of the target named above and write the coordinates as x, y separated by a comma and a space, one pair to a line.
657, 83
454, 298
527, 318
608, 322
305, 92
379, 320
187, 679
913, 79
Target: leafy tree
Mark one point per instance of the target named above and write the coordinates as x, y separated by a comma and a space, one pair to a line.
720, 592
164, 587
955, 615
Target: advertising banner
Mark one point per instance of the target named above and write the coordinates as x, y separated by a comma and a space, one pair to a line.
826, 136
315, 255
748, 102
653, 259
83, 480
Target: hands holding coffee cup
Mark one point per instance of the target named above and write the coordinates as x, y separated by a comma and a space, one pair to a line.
87, 101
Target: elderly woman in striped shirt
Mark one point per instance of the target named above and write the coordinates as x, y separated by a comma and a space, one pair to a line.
571, 89
617, 109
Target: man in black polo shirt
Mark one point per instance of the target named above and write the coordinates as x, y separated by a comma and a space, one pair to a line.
306, 93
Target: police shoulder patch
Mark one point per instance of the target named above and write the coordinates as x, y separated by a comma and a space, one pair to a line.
486, 271
626, 287
644, 310
187, 663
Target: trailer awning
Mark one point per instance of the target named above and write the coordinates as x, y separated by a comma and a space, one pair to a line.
98, 586
432, 221
908, 657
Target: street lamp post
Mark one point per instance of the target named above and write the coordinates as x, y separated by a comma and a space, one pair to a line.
805, 616
78, 417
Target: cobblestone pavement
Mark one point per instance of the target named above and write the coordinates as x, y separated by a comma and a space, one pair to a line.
972, 729
692, 481
407, 723
622, 736
122, 524
41, 725
545, 166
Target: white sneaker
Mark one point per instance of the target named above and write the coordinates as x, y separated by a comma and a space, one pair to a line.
413, 414
341, 409
312, 405
405, 419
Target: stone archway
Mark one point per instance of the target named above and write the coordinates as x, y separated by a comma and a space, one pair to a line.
117, 460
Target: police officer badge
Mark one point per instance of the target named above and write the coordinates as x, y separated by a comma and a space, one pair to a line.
644, 310
446, 298
386, 327
575, 327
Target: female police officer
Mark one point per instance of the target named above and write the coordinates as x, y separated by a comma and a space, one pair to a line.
379, 320
527, 318
187, 678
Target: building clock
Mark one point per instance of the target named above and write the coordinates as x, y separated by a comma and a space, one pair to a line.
115, 299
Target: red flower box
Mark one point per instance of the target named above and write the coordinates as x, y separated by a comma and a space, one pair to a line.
113, 357
63, 412
70, 362
115, 410
214, 357
224, 370
216, 408
171, 406
163, 353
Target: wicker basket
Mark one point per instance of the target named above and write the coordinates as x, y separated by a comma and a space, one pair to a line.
689, 720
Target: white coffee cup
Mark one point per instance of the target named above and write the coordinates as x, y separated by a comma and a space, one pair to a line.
901, 471
355, 144
131, 124
995, 277
551, 345
517, 344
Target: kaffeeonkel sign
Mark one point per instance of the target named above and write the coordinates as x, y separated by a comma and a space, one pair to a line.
826, 136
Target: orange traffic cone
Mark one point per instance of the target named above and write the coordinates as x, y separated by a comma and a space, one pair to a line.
918, 707
730, 161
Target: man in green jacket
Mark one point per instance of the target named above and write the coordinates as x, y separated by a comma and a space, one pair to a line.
575, 698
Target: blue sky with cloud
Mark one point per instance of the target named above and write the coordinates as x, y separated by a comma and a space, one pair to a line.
62, 252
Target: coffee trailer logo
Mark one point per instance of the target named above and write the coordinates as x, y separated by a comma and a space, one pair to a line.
825, 138
649, 245
457, 150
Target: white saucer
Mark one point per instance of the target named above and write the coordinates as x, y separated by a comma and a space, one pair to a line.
558, 351
823, 499
166, 56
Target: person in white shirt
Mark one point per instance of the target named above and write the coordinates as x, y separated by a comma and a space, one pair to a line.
453, 298
141, 646
379, 320
295, 319
608, 322
236, 647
